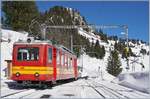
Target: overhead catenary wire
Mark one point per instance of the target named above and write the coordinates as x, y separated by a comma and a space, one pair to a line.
43, 28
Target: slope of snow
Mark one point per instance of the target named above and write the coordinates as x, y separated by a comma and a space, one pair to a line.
93, 67
93, 64
9, 37
89, 35
135, 62
136, 66
137, 80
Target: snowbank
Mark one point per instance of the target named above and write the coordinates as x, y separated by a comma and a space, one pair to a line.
105, 76
138, 81
95, 68
8, 38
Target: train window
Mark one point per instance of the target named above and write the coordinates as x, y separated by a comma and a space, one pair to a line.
28, 54
50, 55
66, 59
68, 62
71, 62
58, 57
62, 59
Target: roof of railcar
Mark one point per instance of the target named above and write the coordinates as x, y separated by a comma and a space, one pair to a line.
37, 42
64, 49
33, 42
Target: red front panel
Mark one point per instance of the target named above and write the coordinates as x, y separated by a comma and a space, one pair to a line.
38, 62
27, 69
31, 77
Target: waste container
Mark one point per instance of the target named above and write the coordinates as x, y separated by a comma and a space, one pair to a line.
9, 69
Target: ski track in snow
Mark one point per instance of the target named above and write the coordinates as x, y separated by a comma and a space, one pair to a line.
81, 88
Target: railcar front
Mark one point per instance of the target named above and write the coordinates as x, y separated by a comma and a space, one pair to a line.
29, 63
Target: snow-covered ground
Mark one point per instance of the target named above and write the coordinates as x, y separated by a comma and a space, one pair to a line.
96, 67
136, 77
90, 88
8, 38
137, 80
93, 67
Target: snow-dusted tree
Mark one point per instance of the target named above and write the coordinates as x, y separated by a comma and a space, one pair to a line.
114, 64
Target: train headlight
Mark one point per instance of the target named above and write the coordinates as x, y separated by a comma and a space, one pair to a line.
36, 74
17, 74
29, 40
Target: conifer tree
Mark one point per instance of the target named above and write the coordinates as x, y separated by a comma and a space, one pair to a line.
19, 14
103, 52
130, 52
99, 52
114, 64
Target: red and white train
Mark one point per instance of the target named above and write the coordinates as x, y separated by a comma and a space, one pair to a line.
42, 62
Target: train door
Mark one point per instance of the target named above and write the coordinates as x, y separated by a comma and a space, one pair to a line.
66, 66
50, 61
58, 66
62, 65
75, 68
54, 63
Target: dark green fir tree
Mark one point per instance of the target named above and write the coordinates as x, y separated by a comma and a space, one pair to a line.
114, 64
19, 14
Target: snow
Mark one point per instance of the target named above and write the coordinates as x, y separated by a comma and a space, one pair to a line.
136, 66
89, 35
90, 88
6, 47
93, 67
137, 80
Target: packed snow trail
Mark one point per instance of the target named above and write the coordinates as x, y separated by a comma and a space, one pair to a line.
91, 88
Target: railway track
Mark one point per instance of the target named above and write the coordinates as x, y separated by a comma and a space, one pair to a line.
113, 93
98, 92
78, 89
104, 91
19, 94
13, 93
124, 93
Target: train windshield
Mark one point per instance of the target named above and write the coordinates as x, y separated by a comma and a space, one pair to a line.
28, 54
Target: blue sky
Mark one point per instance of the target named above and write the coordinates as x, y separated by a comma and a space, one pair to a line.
134, 14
